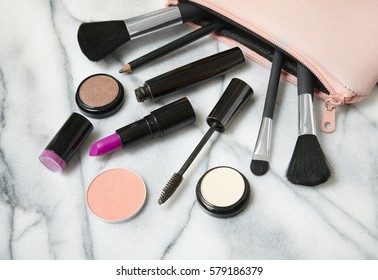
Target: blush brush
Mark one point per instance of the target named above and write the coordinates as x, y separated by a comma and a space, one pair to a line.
261, 154
98, 39
308, 165
230, 103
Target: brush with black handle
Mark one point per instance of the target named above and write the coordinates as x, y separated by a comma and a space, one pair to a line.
308, 165
261, 154
98, 39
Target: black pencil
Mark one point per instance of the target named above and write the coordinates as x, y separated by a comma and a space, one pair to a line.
170, 47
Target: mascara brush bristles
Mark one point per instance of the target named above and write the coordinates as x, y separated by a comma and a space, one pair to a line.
308, 165
170, 187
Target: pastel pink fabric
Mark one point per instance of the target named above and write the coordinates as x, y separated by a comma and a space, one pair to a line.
336, 40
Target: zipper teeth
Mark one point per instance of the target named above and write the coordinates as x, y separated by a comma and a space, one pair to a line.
270, 40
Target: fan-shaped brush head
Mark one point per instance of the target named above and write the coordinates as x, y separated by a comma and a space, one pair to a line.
308, 165
98, 39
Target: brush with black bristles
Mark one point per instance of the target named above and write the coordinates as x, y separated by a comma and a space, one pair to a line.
98, 39
230, 103
261, 154
308, 165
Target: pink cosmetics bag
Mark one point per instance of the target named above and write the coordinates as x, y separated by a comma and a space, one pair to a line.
336, 40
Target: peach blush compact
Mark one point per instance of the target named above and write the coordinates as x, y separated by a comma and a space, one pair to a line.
116, 195
223, 192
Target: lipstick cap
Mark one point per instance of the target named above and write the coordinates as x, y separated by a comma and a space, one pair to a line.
66, 142
235, 96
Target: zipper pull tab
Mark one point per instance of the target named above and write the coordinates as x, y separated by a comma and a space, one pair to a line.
329, 118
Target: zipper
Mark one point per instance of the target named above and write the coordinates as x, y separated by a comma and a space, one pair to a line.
264, 45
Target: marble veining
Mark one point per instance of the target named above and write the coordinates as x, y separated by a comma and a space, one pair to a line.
44, 215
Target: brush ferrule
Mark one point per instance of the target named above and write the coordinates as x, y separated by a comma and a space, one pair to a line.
157, 20
306, 124
263, 143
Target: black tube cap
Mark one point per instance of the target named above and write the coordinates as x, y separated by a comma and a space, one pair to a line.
230, 103
66, 142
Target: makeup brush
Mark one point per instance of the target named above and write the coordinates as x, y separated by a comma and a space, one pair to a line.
174, 45
261, 154
97, 39
230, 103
308, 165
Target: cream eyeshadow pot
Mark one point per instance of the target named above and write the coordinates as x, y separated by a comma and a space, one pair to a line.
116, 195
100, 96
223, 192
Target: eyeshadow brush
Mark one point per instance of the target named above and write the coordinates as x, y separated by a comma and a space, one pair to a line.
230, 103
308, 165
98, 39
170, 47
261, 154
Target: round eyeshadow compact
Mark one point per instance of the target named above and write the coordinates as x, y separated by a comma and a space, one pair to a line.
100, 96
223, 192
116, 195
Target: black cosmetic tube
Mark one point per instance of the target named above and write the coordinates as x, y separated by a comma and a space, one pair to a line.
191, 74
159, 123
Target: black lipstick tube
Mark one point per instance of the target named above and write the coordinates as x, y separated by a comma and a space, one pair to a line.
159, 123
191, 74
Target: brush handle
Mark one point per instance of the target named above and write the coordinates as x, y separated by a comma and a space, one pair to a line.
305, 80
274, 79
306, 124
190, 12
157, 20
176, 44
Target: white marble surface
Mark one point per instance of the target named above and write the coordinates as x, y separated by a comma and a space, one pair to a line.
44, 215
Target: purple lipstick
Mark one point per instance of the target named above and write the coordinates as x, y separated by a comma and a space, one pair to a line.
106, 145
160, 122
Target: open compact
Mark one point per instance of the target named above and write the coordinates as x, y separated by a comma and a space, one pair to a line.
116, 195
223, 192
100, 96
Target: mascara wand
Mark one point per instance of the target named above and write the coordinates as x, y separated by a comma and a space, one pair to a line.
230, 103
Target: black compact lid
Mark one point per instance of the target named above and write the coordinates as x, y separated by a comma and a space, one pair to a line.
96, 90
223, 211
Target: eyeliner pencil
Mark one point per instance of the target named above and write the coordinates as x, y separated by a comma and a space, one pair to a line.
170, 47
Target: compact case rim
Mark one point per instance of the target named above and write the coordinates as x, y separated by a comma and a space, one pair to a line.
103, 111
227, 211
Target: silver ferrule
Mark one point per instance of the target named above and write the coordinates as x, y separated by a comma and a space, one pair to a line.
262, 148
157, 20
306, 124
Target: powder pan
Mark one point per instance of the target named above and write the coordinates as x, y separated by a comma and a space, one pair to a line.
223, 192
116, 195
100, 96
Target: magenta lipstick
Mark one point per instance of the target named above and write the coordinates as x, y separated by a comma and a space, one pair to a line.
160, 122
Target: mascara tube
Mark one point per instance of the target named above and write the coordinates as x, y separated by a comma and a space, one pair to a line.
191, 74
